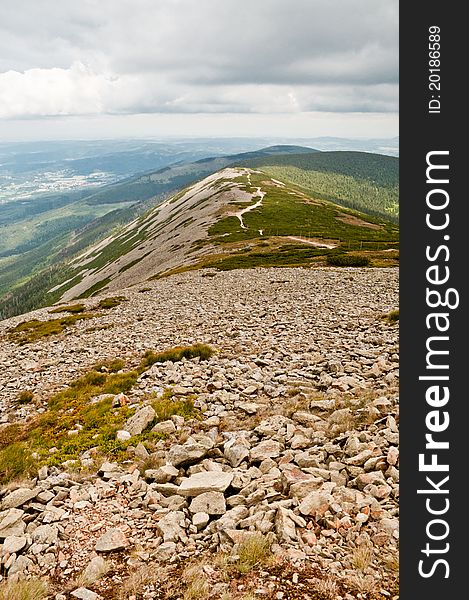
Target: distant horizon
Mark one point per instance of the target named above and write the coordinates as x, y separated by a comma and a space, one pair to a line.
152, 138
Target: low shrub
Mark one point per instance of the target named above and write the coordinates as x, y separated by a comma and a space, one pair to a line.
15, 460
393, 316
106, 303
25, 397
347, 260
31, 331
73, 309
176, 354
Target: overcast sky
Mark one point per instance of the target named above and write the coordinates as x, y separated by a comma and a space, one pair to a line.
110, 68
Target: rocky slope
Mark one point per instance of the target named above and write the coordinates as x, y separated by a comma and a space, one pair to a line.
295, 446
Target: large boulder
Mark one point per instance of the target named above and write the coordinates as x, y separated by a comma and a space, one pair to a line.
140, 420
206, 481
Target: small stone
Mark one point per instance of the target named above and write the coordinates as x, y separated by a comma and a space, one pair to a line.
45, 534
165, 551
251, 408
172, 527
236, 450
122, 435
163, 474
85, 594
200, 520
316, 504
251, 389
393, 455
212, 503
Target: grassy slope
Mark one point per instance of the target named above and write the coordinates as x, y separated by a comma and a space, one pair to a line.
284, 212
359, 180
289, 212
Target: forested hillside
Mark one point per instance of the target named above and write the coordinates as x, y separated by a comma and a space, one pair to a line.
359, 180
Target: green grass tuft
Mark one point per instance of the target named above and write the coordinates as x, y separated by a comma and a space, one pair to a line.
393, 316
176, 354
107, 303
15, 461
166, 406
25, 397
34, 330
347, 260
73, 309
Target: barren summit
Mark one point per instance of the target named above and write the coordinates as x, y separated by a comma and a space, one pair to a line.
266, 460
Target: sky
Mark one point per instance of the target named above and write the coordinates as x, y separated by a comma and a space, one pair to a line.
157, 68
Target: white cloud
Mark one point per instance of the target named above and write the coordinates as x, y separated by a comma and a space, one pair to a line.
102, 57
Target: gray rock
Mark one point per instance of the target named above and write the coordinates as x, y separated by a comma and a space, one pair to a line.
165, 427
95, 569
190, 452
315, 504
172, 527
266, 449
13, 544
141, 419
207, 481
236, 450
285, 525
165, 551
112, 540
364, 479
85, 594
21, 565
45, 534
162, 474
212, 503
200, 520
11, 523
19, 497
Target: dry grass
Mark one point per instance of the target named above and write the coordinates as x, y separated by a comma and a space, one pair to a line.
365, 584
33, 589
85, 580
327, 588
361, 557
134, 584
197, 585
391, 562
252, 552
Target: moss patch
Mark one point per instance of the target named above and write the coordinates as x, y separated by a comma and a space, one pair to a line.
176, 354
73, 309
31, 331
76, 420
